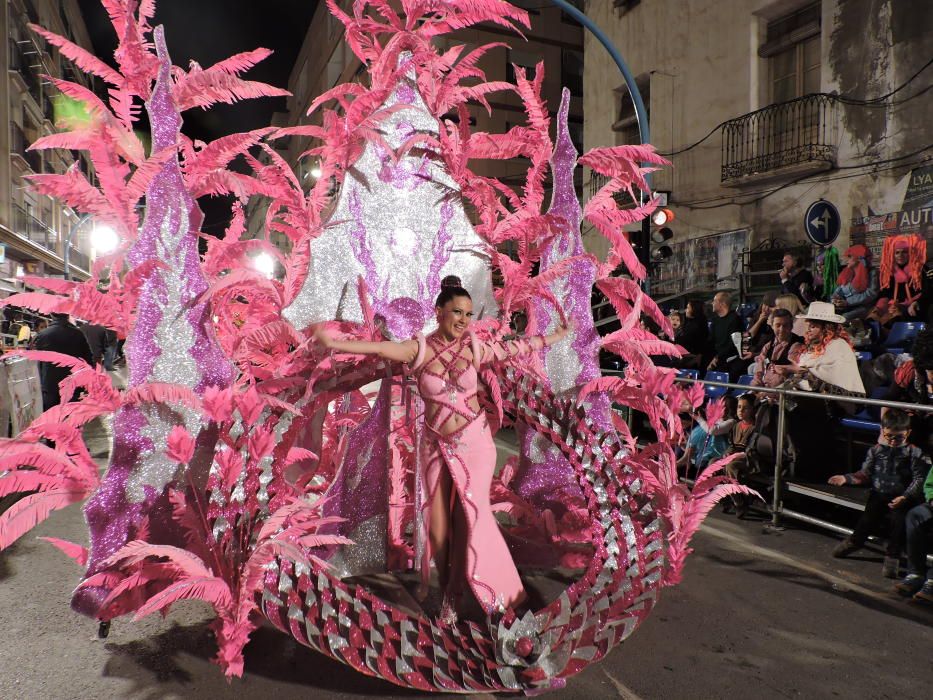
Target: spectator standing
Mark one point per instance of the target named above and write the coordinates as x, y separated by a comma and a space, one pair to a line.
894, 470
795, 278
739, 467
695, 336
96, 337
708, 443
64, 337
919, 525
857, 285
726, 329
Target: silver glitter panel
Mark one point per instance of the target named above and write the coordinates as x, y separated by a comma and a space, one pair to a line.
394, 224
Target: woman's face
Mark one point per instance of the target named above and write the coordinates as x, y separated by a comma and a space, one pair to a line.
689, 311
814, 332
454, 317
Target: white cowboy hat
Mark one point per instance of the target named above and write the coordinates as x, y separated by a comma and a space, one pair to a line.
822, 311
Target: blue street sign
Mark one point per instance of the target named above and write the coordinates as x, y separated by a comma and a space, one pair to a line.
822, 222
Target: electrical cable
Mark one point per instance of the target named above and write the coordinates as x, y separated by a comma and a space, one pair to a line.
845, 99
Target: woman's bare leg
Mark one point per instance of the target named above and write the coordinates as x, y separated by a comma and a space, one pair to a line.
440, 526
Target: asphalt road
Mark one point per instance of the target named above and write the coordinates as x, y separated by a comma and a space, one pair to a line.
757, 615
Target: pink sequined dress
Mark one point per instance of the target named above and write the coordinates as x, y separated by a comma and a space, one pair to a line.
458, 439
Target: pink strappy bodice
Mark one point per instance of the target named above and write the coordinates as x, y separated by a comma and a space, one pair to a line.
448, 390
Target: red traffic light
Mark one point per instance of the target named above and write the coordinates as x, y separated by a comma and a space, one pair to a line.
662, 217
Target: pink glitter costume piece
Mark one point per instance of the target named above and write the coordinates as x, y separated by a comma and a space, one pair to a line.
447, 383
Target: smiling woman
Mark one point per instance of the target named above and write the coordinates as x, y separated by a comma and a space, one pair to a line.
459, 530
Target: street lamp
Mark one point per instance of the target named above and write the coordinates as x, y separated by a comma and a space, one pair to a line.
104, 239
265, 263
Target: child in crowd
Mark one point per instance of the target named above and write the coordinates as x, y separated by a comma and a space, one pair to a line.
706, 445
738, 468
919, 581
894, 470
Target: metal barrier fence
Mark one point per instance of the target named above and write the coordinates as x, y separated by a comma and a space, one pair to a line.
777, 506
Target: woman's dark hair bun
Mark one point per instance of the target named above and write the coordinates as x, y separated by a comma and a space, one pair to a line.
451, 281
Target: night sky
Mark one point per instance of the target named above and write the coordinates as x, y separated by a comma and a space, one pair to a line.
207, 31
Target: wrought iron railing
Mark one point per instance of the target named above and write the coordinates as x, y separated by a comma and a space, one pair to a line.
19, 145
21, 61
788, 133
36, 230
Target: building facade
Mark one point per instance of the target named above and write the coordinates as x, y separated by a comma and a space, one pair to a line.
33, 228
325, 60
766, 106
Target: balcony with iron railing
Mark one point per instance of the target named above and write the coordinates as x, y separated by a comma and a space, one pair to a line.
30, 227
19, 147
24, 63
783, 139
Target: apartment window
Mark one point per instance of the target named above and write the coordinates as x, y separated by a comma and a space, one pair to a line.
532, 7
792, 49
527, 61
626, 123
571, 71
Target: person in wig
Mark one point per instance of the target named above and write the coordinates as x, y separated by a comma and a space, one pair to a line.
857, 284
905, 280
458, 456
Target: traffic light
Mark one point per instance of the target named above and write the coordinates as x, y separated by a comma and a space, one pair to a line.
661, 233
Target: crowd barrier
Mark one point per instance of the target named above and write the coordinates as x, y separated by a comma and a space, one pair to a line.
777, 506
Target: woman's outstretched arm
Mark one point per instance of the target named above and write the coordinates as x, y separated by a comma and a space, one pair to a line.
406, 351
498, 351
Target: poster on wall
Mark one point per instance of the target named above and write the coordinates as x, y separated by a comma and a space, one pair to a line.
710, 262
915, 216
22, 393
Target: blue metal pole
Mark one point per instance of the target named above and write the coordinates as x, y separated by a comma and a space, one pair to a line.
641, 116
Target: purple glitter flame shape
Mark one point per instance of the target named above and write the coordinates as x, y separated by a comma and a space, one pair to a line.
167, 343
544, 473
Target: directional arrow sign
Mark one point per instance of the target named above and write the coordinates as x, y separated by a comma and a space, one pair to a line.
822, 222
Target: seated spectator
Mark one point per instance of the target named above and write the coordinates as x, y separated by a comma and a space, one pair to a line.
695, 336
726, 335
894, 470
905, 281
792, 304
739, 467
708, 443
795, 278
919, 527
759, 333
857, 285
784, 349
913, 383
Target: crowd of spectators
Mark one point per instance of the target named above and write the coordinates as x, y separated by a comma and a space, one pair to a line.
828, 340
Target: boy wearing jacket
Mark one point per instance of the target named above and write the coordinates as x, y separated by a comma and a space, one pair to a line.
894, 470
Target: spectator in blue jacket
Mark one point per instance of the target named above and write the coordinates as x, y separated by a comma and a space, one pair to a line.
894, 469
919, 580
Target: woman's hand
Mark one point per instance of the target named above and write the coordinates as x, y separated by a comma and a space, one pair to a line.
897, 502
323, 338
838, 480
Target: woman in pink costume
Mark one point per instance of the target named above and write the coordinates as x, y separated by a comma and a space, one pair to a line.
458, 453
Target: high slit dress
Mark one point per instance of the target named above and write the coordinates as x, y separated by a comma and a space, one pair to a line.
447, 383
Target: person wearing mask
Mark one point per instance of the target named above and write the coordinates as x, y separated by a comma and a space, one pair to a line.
857, 285
795, 278
726, 336
905, 281
64, 337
